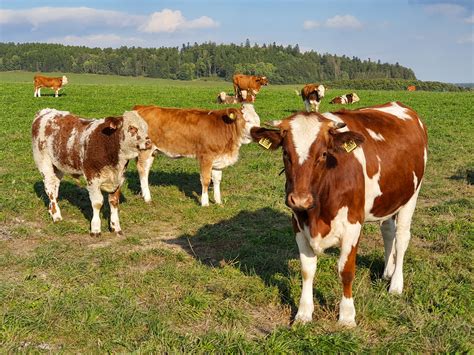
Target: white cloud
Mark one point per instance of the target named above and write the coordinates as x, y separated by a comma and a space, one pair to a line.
466, 39
469, 19
336, 22
39, 16
98, 40
171, 21
445, 9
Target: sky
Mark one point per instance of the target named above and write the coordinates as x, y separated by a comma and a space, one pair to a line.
434, 38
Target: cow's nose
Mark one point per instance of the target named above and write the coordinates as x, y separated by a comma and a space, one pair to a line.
148, 143
300, 201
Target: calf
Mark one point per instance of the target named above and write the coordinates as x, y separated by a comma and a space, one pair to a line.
223, 98
312, 94
343, 169
47, 82
411, 88
345, 99
212, 136
64, 143
251, 83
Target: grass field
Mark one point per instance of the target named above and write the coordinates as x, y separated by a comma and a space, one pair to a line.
221, 279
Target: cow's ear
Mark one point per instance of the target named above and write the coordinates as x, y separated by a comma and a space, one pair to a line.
345, 141
267, 138
231, 114
114, 123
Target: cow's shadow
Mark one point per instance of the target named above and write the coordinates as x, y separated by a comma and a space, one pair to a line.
77, 196
52, 95
188, 183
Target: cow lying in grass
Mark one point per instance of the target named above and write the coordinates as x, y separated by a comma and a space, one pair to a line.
64, 143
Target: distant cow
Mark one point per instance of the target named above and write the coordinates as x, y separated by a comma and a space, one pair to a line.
213, 137
41, 81
345, 99
343, 169
224, 98
411, 88
251, 83
64, 143
312, 94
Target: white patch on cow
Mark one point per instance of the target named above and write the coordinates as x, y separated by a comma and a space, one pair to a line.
375, 136
415, 180
347, 312
395, 110
355, 98
251, 119
71, 140
304, 131
421, 124
216, 176
225, 160
349, 240
244, 94
425, 156
336, 119
222, 96
64, 80
344, 99
321, 91
372, 186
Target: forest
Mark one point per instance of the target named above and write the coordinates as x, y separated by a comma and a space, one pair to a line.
282, 65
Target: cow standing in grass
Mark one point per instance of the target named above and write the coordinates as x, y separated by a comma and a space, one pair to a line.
312, 94
41, 81
64, 143
343, 169
213, 137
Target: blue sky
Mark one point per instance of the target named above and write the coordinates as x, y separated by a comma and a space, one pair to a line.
434, 38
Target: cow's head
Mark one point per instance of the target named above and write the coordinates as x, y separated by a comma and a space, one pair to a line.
314, 94
251, 119
262, 80
221, 97
355, 98
311, 145
64, 80
134, 133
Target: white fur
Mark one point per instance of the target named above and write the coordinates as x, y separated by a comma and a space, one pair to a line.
347, 312
216, 176
375, 136
304, 130
395, 110
336, 119
251, 120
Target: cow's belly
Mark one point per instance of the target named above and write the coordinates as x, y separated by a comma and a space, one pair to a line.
110, 178
175, 154
225, 160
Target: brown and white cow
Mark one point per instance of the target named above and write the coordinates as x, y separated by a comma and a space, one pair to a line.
213, 137
251, 83
343, 169
41, 81
345, 99
411, 88
64, 143
312, 94
224, 98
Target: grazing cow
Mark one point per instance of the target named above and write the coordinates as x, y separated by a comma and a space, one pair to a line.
343, 169
345, 99
250, 83
312, 94
213, 137
64, 143
47, 82
411, 88
223, 98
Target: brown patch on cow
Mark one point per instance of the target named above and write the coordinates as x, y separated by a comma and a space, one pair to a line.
251, 83
348, 272
310, 92
53, 208
336, 100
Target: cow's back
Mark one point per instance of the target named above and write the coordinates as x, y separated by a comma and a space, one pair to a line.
392, 158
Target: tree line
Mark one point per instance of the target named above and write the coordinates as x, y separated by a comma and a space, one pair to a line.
281, 64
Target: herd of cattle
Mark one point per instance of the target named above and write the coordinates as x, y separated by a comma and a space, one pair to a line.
342, 168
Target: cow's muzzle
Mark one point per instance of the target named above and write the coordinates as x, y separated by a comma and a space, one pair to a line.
300, 202
147, 145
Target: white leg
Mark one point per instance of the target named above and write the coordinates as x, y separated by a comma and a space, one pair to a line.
39, 92
144, 163
206, 171
36, 93
387, 228
308, 269
56, 93
52, 180
347, 312
114, 200
216, 176
402, 238
97, 201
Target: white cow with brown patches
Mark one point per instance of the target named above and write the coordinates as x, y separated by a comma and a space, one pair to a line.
64, 143
343, 169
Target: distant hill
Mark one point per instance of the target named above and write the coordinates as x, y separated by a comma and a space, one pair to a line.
466, 85
282, 65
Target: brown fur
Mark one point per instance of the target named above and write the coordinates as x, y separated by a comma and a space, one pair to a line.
41, 81
248, 82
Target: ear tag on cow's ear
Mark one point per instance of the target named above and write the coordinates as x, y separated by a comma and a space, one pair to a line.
232, 116
265, 143
349, 146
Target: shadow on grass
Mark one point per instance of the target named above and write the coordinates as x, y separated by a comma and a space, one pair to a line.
464, 174
188, 183
77, 196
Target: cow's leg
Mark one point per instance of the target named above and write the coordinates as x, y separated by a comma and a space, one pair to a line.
206, 168
216, 182
39, 92
56, 91
36, 92
308, 269
346, 267
114, 199
402, 238
52, 179
144, 163
387, 228
97, 200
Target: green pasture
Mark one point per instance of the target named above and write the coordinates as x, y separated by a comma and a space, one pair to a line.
224, 278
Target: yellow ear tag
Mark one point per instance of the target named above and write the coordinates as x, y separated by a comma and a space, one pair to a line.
265, 143
349, 146
232, 116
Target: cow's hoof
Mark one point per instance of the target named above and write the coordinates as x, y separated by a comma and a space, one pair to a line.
347, 323
57, 219
119, 233
303, 318
95, 235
